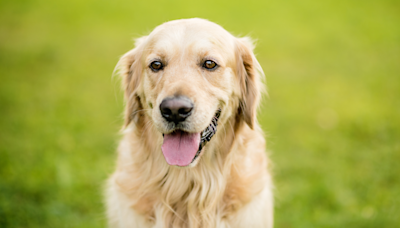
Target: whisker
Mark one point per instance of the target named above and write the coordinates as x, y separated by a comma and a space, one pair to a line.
141, 110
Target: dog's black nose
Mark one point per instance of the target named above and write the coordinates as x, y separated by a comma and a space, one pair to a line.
176, 109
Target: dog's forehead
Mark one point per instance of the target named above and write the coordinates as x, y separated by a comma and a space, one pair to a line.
190, 33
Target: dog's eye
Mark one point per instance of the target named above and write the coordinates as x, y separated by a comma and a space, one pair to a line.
156, 66
209, 64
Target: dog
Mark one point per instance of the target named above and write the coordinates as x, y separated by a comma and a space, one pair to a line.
192, 153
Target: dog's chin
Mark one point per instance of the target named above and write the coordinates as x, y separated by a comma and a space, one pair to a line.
183, 148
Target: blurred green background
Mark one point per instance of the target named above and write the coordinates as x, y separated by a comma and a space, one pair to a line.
332, 118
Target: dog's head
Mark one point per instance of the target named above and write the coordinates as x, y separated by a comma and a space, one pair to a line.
187, 76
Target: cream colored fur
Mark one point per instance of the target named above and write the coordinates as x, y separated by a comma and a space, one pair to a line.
229, 185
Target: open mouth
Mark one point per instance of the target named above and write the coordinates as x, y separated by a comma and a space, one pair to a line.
182, 148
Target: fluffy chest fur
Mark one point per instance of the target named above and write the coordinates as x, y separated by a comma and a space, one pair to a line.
212, 194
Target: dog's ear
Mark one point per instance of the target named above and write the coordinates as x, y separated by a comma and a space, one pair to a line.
129, 67
251, 77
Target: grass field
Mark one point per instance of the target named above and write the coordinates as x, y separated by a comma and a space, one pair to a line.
332, 117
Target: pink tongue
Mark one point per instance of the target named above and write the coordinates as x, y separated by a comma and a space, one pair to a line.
179, 148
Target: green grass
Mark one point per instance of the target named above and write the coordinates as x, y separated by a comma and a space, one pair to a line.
332, 118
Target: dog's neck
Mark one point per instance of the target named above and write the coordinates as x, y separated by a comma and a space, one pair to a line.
186, 194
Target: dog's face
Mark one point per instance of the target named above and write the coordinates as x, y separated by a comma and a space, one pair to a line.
189, 76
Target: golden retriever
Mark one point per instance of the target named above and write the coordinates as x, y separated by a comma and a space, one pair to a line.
192, 154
